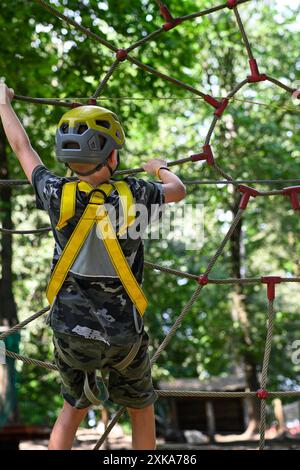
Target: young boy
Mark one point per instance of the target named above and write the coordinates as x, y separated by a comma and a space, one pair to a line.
95, 288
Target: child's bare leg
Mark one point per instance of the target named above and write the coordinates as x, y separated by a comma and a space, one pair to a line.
64, 430
143, 428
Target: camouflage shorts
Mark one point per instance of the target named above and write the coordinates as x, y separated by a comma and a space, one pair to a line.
131, 387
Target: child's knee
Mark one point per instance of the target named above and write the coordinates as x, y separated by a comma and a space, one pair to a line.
73, 411
140, 411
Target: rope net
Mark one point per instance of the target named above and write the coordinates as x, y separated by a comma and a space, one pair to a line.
219, 106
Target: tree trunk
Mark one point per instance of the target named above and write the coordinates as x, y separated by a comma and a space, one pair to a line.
239, 314
8, 310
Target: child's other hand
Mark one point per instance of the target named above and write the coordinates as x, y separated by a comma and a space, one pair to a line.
152, 165
6, 94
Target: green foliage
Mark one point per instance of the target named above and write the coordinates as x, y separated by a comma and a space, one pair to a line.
38, 389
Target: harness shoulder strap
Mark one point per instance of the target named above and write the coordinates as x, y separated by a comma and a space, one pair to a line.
96, 213
67, 204
128, 205
73, 246
121, 265
68, 199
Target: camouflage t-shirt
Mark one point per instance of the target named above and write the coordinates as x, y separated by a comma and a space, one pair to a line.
95, 308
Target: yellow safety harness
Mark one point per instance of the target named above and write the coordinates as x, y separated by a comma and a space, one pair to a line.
96, 213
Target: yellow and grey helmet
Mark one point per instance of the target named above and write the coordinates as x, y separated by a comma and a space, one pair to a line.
88, 134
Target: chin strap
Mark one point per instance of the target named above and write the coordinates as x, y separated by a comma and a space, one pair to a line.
97, 168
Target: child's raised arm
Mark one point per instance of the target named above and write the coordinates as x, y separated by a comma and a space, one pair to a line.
16, 134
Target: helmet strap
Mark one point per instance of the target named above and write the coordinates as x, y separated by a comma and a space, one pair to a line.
118, 163
110, 169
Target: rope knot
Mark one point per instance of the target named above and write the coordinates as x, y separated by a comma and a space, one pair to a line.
232, 4
121, 54
262, 394
247, 192
203, 280
207, 155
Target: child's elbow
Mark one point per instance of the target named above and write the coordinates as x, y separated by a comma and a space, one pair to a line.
181, 192
174, 193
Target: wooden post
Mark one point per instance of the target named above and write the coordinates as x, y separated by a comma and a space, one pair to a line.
210, 419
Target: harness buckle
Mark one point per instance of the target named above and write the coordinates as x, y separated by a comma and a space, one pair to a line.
97, 190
